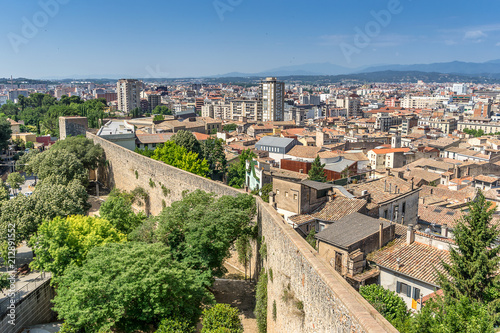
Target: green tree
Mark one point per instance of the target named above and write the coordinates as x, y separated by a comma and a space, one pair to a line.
237, 172
462, 315
200, 229
9, 109
212, 150
58, 166
158, 117
15, 179
317, 172
169, 325
89, 154
221, 316
4, 191
387, 303
62, 242
473, 271
48, 201
129, 286
162, 109
118, 210
5, 133
187, 140
181, 158
244, 249
229, 127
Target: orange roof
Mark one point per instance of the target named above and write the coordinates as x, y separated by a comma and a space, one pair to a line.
391, 150
201, 136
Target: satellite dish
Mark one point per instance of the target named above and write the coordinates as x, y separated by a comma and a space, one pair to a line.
428, 231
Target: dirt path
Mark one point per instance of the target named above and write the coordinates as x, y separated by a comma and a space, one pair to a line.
240, 294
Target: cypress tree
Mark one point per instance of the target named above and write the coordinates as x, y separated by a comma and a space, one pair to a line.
317, 172
473, 271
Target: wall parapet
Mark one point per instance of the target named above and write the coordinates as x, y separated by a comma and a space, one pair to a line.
329, 303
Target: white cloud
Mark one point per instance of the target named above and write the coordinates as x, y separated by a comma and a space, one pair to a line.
474, 34
497, 44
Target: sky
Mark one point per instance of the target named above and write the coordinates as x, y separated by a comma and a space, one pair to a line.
192, 38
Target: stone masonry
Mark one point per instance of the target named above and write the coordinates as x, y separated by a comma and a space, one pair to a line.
319, 299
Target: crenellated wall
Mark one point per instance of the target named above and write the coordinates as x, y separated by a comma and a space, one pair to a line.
317, 298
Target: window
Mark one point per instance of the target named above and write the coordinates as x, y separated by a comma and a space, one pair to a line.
403, 288
403, 208
277, 192
295, 197
385, 214
416, 293
286, 194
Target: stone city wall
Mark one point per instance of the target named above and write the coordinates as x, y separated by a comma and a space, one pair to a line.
317, 299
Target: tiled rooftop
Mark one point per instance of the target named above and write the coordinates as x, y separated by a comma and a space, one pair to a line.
416, 260
382, 189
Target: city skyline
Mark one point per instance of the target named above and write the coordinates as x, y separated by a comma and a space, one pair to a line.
63, 38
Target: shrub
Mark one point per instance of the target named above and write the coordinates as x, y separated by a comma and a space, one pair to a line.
221, 317
169, 325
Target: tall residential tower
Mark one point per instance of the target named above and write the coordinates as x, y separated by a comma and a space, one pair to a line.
272, 99
129, 94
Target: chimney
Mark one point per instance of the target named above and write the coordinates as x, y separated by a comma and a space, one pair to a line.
395, 188
381, 235
390, 188
410, 235
301, 170
385, 185
412, 183
444, 230
331, 195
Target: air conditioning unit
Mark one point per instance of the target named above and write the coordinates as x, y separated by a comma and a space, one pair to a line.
364, 192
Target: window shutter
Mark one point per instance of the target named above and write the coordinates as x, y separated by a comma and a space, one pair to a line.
408, 291
398, 287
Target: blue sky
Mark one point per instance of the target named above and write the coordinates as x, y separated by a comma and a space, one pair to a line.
204, 37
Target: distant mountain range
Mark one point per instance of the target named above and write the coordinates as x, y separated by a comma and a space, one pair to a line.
455, 71
454, 67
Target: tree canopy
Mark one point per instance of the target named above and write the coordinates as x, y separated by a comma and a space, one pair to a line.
212, 150
179, 157
88, 153
187, 140
47, 201
57, 166
317, 171
5, 132
62, 242
129, 286
237, 171
15, 179
118, 210
43, 111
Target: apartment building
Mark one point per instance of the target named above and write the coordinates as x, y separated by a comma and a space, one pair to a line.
422, 102
446, 125
154, 100
129, 94
353, 105
272, 99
